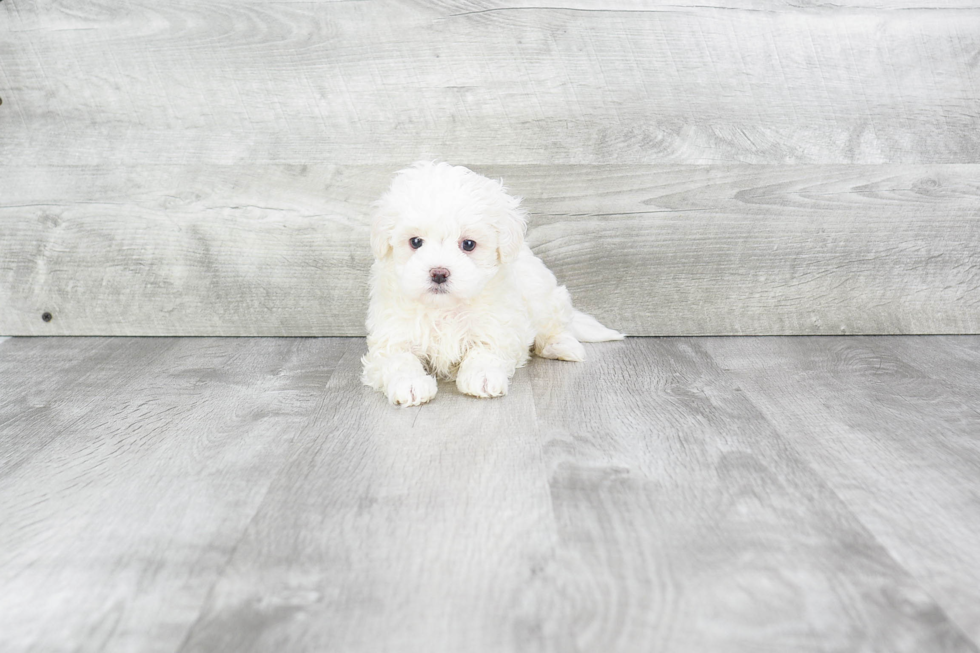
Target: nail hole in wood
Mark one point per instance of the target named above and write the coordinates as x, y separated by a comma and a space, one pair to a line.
46, 316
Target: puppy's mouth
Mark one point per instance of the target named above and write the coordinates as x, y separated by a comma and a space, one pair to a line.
438, 289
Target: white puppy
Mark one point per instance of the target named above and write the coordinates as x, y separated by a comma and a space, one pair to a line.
455, 292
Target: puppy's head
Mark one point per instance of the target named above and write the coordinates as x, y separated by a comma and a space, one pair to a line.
447, 229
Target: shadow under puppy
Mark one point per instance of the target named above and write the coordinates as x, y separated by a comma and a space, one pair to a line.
455, 291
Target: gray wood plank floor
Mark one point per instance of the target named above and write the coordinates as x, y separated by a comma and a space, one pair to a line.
674, 494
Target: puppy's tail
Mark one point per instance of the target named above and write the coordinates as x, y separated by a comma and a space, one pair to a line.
586, 328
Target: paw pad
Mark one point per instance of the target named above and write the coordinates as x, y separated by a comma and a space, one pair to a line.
411, 390
483, 383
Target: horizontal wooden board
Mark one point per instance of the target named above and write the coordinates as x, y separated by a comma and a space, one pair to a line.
486, 82
651, 250
206, 167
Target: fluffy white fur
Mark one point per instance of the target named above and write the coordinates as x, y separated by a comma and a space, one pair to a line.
498, 301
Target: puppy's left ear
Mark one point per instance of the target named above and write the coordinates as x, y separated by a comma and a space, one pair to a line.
511, 226
382, 225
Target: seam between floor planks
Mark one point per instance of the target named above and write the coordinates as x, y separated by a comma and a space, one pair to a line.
804, 460
376, 473
882, 554
544, 381
352, 345
876, 512
185, 376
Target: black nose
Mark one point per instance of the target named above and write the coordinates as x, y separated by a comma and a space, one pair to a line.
439, 275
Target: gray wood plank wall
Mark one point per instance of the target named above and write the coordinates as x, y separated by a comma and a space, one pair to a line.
205, 168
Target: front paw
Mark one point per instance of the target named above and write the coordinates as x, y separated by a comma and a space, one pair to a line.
411, 390
487, 382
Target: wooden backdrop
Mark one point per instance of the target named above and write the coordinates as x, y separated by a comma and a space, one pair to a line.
725, 167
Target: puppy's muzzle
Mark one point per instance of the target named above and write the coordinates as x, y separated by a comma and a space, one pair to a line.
439, 275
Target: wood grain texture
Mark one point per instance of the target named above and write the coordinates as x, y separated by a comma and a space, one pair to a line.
651, 250
128, 481
204, 168
686, 522
250, 495
394, 530
488, 83
891, 424
56, 383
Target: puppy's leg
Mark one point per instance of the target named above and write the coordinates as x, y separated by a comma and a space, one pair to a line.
400, 376
550, 308
483, 374
552, 314
562, 346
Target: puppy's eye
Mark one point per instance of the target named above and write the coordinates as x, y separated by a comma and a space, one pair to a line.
415, 242
468, 245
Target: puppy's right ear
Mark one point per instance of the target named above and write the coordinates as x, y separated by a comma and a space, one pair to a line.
511, 225
382, 226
